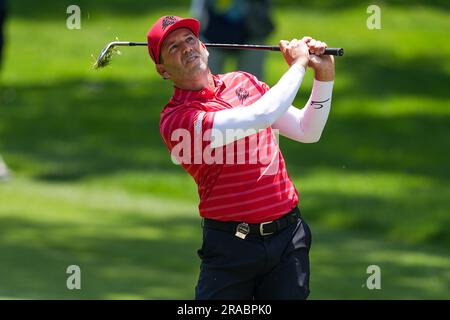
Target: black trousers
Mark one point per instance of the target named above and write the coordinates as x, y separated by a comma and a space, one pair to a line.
274, 267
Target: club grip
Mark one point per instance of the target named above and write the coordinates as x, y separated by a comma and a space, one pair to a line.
334, 51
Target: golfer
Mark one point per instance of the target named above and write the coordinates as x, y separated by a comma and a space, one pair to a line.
222, 130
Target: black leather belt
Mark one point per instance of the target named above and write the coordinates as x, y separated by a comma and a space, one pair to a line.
241, 229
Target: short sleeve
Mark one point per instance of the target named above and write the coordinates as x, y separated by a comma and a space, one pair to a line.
262, 86
189, 126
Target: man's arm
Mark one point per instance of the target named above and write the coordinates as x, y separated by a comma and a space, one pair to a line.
306, 125
275, 107
234, 124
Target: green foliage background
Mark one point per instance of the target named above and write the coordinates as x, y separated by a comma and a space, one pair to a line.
93, 184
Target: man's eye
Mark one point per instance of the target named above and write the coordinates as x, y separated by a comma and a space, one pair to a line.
172, 48
189, 39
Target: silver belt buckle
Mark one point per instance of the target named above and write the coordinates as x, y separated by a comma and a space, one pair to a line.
261, 229
242, 230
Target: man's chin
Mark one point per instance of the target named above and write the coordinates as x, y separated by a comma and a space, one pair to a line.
198, 67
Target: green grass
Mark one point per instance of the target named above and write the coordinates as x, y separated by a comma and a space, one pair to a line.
143, 246
94, 186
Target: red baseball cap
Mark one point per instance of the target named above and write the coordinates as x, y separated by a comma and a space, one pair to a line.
161, 29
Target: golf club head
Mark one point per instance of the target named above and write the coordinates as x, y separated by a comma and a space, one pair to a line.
105, 56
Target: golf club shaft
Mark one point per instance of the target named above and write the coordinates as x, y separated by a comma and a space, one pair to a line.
328, 51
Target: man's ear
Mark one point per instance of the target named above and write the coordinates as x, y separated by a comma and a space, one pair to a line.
162, 71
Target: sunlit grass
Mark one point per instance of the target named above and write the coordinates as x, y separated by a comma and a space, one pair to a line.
93, 183
120, 246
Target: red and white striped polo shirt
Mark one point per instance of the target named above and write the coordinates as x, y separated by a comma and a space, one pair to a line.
229, 190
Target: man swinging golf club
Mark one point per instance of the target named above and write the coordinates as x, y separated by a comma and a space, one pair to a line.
221, 129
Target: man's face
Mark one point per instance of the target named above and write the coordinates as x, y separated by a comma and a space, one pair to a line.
182, 55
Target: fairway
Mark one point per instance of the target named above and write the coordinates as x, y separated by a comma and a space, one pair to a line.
93, 184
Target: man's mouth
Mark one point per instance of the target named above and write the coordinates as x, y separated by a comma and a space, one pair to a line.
191, 58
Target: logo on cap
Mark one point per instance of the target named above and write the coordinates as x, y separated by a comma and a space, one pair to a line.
169, 20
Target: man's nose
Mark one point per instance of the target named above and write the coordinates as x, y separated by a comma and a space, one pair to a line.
186, 48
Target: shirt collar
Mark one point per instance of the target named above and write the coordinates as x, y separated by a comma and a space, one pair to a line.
182, 95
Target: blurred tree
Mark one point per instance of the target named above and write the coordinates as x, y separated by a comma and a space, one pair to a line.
235, 21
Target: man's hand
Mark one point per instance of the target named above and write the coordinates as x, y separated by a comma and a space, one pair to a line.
295, 51
323, 65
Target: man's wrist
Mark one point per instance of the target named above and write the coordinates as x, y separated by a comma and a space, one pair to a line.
298, 66
324, 74
302, 63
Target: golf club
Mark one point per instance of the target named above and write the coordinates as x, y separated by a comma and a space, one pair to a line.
106, 55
